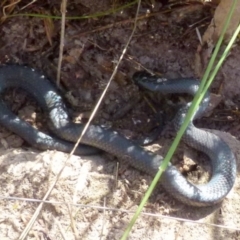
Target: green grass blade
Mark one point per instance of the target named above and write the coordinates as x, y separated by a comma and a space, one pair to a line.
99, 14
194, 106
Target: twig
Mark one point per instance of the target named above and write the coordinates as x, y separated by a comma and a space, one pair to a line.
35, 215
99, 208
38, 210
7, 6
63, 10
33, 1
127, 21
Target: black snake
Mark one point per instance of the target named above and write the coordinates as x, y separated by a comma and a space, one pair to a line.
47, 96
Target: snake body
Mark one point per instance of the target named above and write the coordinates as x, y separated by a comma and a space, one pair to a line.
47, 96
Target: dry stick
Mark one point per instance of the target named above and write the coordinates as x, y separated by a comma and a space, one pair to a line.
7, 6
103, 219
99, 208
35, 215
126, 21
73, 225
33, 1
109, 82
63, 10
60, 228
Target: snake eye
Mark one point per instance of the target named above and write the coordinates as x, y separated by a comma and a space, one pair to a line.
141, 76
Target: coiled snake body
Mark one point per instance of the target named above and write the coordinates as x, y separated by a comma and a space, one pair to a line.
46, 94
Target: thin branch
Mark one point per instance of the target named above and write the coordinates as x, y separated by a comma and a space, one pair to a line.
104, 208
35, 215
61, 47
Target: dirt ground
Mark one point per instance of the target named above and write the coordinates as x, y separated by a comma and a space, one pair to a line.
95, 197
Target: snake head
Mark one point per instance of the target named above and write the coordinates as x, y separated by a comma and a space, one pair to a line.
141, 76
148, 81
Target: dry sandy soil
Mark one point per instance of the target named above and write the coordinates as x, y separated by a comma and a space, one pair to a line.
95, 197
